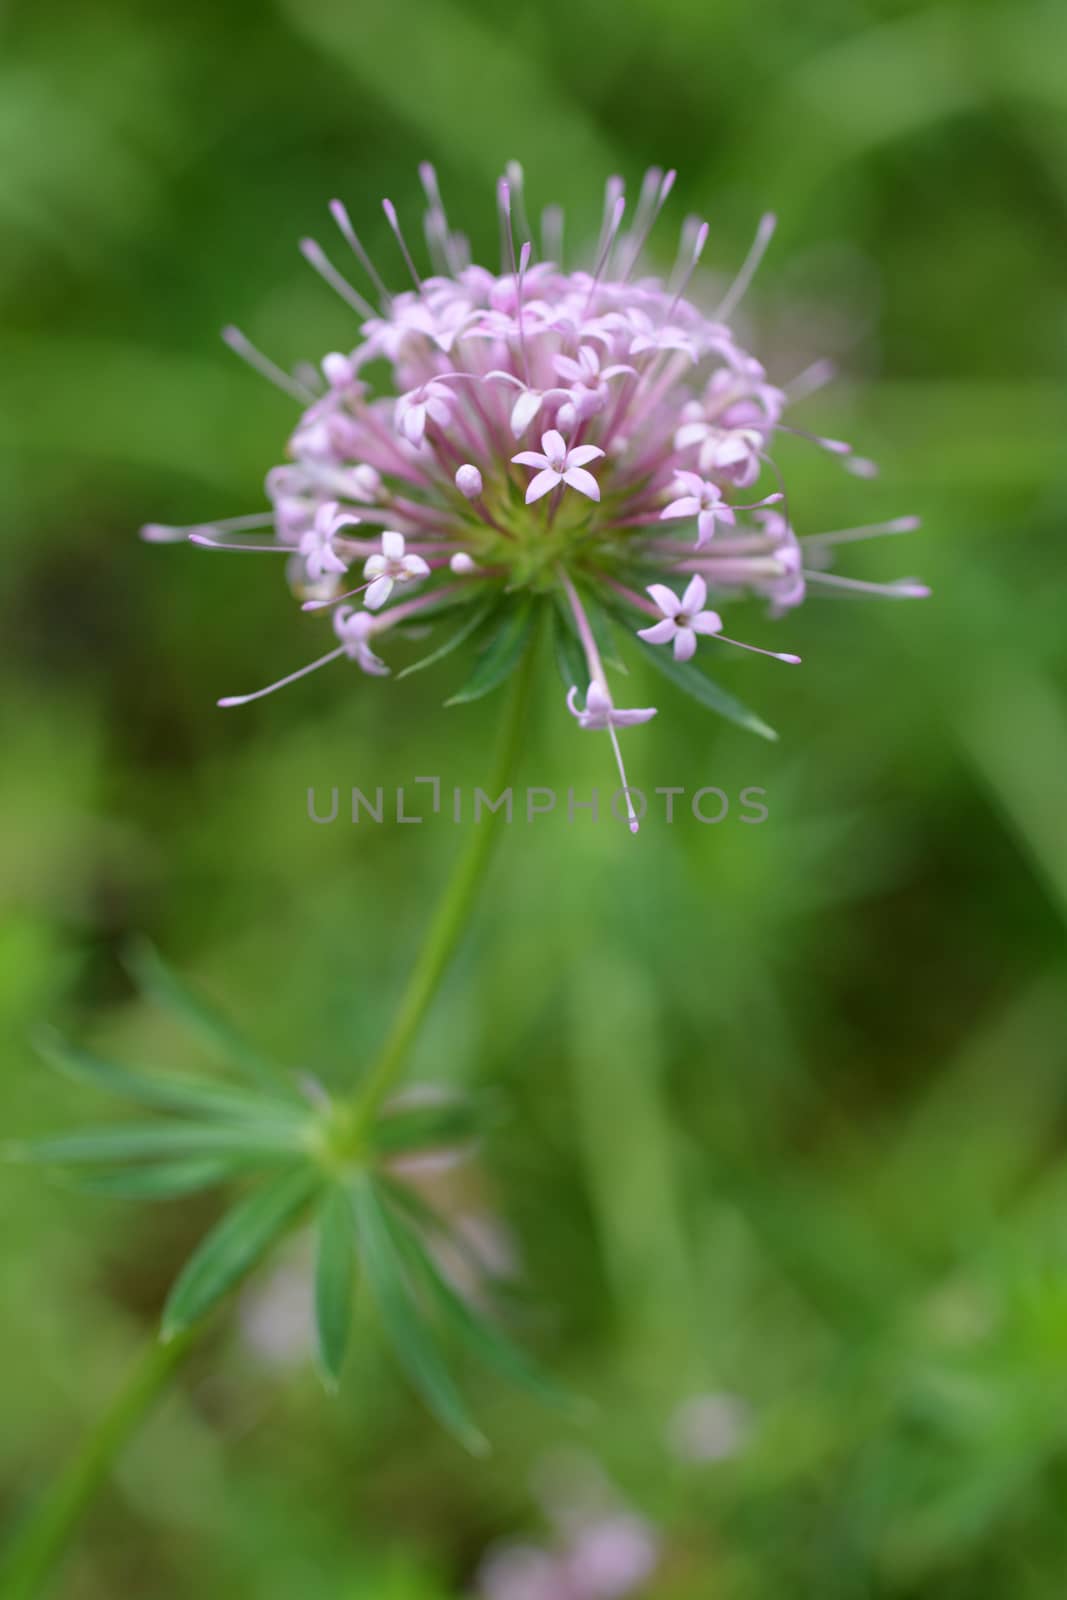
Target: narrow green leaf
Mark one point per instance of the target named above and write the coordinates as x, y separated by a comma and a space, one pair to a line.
689, 677
333, 1282
235, 1245
568, 652
152, 974
163, 1181
453, 642
165, 1091
147, 1141
513, 623
486, 1341
412, 1339
422, 1127
402, 1197
603, 630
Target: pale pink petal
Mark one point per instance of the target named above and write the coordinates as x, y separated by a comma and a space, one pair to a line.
553, 444
665, 598
374, 566
660, 632
685, 643
378, 593
687, 506
691, 482
583, 481
695, 595
530, 458
582, 454
597, 699
542, 484
691, 433
414, 424
392, 545
568, 368
630, 719
524, 410
416, 567
731, 450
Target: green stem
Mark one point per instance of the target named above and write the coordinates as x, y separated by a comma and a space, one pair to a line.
453, 912
40, 1543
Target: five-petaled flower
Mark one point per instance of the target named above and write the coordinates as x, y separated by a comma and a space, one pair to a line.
702, 499
559, 464
388, 566
430, 400
317, 544
681, 620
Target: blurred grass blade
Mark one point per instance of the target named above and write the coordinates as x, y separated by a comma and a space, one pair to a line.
686, 675
453, 642
165, 1091
486, 1341
334, 1264
412, 1339
235, 1245
147, 1141
504, 652
163, 1181
152, 974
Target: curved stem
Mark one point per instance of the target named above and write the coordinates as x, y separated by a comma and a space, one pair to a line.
40, 1543
452, 915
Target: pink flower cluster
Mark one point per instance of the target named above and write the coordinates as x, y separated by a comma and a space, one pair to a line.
589, 436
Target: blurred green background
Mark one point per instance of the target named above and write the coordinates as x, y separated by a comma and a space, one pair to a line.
787, 1105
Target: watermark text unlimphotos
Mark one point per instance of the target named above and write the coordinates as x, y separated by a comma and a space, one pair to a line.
424, 798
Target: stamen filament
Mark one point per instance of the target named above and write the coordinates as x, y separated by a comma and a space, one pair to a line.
737, 290
341, 217
302, 672
265, 367
316, 257
162, 533
873, 530
901, 589
391, 217
775, 655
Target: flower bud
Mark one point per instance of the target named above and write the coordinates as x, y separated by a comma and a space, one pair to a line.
469, 481
337, 370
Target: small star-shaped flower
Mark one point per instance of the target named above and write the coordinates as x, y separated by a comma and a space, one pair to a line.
681, 619
391, 566
702, 499
559, 465
317, 544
